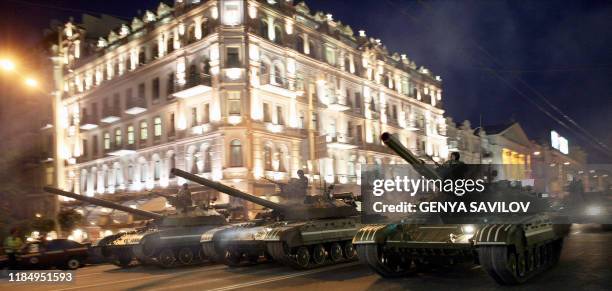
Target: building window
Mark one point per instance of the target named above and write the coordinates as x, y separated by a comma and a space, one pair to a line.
84, 153
278, 75
118, 140
266, 113
144, 131
94, 141
236, 153
278, 34
170, 85
263, 28
299, 44
358, 101
233, 57
279, 115
143, 172
330, 56
142, 56
107, 141
130, 135
154, 51
157, 170
194, 116
155, 89
358, 134
170, 43
191, 34
349, 129
206, 113
233, 99
141, 91
312, 49
267, 158
171, 125
157, 127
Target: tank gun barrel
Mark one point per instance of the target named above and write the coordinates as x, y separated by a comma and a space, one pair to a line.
103, 203
394, 144
227, 190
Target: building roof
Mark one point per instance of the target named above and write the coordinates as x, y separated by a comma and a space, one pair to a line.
494, 129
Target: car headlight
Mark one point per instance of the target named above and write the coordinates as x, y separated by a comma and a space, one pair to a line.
593, 210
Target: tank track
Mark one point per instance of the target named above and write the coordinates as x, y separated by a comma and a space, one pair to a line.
507, 266
383, 261
170, 257
312, 256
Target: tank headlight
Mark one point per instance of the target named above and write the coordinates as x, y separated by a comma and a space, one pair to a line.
469, 229
593, 210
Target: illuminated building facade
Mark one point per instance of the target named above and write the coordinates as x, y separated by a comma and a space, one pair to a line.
236, 91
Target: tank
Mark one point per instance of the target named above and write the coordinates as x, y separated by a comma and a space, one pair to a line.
166, 240
302, 235
510, 253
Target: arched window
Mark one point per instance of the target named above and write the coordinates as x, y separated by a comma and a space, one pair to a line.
127, 66
278, 34
236, 153
347, 64
263, 28
116, 67
299, 44
83, 181
267, 158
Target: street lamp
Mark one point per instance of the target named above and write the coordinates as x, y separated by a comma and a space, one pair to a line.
30, 82
7, 64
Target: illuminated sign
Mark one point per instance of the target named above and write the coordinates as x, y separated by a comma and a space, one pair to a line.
558, 142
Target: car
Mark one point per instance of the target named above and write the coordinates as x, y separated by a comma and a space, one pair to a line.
59, 253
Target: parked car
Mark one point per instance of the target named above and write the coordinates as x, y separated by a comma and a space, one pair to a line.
60, 253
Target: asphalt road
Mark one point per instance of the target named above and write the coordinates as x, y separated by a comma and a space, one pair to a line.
585, 265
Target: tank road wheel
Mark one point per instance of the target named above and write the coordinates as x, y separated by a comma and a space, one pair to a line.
302, 257
122, 259
166, 258
503, 264
319, 254
349, 251
233, 258
335, 252
384, 263
521, 265
185, 256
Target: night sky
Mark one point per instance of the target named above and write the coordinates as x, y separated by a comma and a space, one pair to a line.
493, 56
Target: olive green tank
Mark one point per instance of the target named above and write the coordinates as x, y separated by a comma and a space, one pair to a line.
510, 253
166, 241
308, 234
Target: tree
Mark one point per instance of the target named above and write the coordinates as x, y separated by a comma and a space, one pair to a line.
69, 219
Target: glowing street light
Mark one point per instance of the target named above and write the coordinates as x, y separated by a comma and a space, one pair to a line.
30, 82
7, 64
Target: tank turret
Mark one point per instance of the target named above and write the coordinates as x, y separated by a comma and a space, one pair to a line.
104, 203
311, 209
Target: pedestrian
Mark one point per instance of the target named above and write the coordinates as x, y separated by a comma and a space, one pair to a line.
12, 244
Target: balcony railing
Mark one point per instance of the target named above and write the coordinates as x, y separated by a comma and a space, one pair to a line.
339, 140
136, 105
195, 85
89, 122
110, 114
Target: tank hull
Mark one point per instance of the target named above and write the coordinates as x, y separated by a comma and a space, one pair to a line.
166, 248
510, 253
